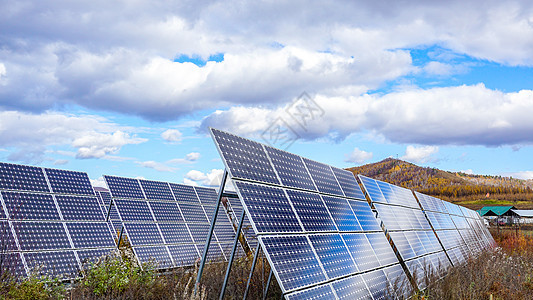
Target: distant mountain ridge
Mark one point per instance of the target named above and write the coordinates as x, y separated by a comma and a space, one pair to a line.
473, 191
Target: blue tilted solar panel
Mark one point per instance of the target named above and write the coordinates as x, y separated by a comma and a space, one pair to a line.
364, 215
351, 288
294, 261
245, 159
402, 244
183, 255
311, 210
143, 234
121, 187
22, 178
69, 182
156, 190
269, 208
156, 255
90, 235
323, 177
372, 189
225, 232
333, 255
199, 232
29, 206
322, 292
291, 169
193, 213
206, 195
184, 193
342, 213
166, 211
41, 235
12, 264
7, 241
382, 248
53, 263
387, 192
80, 208
175, 233
376, 281
361, 251
348, 183
89, 256
133, 210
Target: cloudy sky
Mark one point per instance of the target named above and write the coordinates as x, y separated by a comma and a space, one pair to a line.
129, 87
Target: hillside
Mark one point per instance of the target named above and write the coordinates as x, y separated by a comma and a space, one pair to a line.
473, 191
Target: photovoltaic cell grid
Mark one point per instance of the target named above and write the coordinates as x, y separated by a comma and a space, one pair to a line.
168, 223
53, 220
312, 220
235, 210
407, 225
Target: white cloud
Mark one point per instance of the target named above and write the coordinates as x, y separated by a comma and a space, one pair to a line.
98, 145
520, 175
358, 156
156, 166
31, 134
420, 154
61, 162
462, 115
99, 182
469, 171
172, 135
213, 178
189, 159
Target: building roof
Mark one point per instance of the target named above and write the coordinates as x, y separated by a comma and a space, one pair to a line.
496, 210
525, 213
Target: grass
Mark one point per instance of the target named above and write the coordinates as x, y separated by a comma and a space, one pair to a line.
505, 273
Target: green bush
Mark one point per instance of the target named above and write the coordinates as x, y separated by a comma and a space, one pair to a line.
33, 287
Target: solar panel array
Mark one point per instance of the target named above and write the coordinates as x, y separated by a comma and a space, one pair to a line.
168, 223
313, 223
408, 228
51, 221
235, 211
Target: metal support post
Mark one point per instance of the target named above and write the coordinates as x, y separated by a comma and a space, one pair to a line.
235, 243
268, 285
120, 236
256, 255
211, 229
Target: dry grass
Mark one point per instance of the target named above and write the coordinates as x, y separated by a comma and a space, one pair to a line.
505, 273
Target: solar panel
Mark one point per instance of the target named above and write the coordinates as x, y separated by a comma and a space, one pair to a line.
291, 169
69, 182
293, 261
22, 178
353, 288
268, 207
87, 257
53, 263
333, 255
323, 177
170, 216
361, 251
309, 224
376, 281
244, 158
12, 264
55, 218
156, 190
121, 187
311, 211
29, 206
348, 184
324, 292
80, 208
342, 213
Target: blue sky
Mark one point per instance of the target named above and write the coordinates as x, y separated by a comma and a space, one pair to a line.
129, 88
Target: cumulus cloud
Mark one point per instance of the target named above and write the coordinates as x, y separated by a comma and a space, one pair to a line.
172, 135
520, 175
89, 55
99, 182
461, 115
189, 158
161, 167
29, 135
212, 178
420, 154
358, 156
